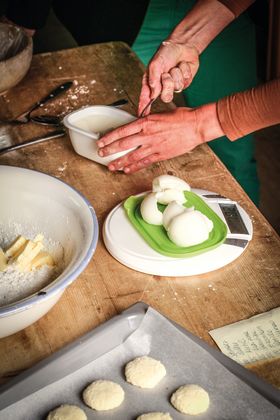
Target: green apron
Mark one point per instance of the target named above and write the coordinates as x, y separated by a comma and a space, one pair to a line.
227, 65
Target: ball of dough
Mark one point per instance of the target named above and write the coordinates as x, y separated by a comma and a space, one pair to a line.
67, 412
144, 372
103, 395
172, 210
190, 399
169, 195
163, 182
155, 416
149, 210
189, 228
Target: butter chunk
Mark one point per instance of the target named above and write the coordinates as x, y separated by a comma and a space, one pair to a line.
16, 247
3, 260
30, 251
43, 258
39, 237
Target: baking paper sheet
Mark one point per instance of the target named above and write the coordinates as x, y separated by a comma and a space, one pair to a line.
185, 362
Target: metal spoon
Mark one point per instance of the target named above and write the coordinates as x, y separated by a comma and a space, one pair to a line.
25, 117
56, 121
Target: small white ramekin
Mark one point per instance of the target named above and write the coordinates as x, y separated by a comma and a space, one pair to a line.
84, 141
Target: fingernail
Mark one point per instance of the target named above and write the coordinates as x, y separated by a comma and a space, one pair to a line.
100, 144
126, 170
111, 167
101, 153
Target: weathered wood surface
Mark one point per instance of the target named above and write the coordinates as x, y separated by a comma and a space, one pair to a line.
246, 287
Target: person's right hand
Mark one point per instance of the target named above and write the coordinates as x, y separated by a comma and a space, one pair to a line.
171, 69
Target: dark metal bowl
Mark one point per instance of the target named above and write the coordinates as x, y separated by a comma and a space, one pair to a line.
15, 55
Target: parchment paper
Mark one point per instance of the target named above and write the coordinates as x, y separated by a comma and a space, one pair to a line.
185, 362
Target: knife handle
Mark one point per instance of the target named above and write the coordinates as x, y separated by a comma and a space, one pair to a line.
54, 93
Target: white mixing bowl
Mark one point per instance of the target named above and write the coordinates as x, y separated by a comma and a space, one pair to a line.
87, 124
40, 203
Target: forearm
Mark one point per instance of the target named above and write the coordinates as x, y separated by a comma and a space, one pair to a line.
245, 112
207, 123
202, 24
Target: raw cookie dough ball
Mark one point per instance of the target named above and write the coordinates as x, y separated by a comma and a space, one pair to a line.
190, 399
155, 416
103, 395
67, 412
144, 372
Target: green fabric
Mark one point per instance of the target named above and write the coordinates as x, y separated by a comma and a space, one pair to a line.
228, 65
157, 238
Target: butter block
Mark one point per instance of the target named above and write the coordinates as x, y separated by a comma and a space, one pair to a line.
43, 258
30, 251
3, 260
16, 247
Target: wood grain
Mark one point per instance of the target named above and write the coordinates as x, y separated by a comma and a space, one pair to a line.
246, 287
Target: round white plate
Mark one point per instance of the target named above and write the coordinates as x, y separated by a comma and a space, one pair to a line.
127, 246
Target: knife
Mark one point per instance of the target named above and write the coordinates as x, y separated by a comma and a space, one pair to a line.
52, 135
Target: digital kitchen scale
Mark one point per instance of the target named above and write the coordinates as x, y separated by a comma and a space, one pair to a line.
127, 246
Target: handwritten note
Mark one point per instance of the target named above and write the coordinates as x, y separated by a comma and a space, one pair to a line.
251, 340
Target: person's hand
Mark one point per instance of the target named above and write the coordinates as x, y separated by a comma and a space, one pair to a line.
172, 69
159, 137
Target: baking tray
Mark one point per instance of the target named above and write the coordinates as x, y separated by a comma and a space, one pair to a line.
78, 355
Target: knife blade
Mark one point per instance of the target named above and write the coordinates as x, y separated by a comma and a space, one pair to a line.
49, 136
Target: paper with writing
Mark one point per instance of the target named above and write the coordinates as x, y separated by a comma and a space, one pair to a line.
251, 340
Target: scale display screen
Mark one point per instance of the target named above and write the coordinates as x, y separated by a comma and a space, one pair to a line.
233, 218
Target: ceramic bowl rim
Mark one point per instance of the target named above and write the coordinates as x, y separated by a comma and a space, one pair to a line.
56, 286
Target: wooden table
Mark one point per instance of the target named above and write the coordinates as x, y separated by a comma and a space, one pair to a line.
104, 73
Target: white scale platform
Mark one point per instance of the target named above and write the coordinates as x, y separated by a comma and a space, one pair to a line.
127, 246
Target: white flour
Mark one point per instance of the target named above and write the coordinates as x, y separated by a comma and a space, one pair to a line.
15, 285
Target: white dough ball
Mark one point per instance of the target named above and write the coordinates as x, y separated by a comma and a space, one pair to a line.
149, 210
172, 210
103, 395
67, 412
190, 399
171, 194
189, 228
155, 416
144, 372
164, 182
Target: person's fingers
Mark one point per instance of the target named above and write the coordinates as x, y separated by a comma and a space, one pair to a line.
155, 70
167, 87
124, 143
145, 95
185, 70
141, 164
178, 79
120, 132
130, 158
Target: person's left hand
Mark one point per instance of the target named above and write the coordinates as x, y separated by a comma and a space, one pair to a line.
156, 137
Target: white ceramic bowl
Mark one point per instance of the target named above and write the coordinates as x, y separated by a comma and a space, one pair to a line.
38, 202
86, 124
